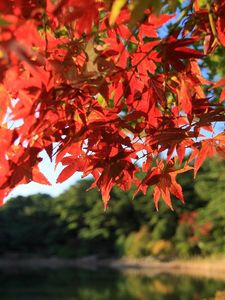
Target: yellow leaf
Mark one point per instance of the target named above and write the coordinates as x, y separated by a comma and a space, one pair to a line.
138, 7
116, 8
91, 65
101, 100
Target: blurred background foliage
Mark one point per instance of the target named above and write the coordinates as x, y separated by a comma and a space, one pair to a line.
75, 225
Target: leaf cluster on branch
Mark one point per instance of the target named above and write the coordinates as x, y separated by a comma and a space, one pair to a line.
100, 88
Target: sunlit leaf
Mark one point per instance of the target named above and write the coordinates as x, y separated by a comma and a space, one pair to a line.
116, 8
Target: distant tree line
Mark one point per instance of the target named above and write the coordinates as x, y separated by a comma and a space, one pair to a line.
75, 225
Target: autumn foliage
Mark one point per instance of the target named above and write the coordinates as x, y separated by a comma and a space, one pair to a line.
111, 89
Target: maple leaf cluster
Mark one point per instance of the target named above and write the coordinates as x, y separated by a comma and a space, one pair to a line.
105, 95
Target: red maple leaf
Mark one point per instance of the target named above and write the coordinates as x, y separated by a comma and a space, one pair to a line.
164, 180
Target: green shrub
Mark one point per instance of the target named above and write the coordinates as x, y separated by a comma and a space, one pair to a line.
162, 249
136, 243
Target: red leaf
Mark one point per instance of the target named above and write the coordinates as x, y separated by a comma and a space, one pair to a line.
219, 83
105, 184
176, 188
221, 23
38, 177
184, 95
222, 96
184, 52
207, 150
75, 165
66, 173
4, 102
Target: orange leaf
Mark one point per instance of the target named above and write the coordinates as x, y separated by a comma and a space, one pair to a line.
207, 149
38, 177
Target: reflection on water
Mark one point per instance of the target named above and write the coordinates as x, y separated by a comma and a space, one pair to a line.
103, 285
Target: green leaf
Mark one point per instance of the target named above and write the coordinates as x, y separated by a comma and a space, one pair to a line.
3, 22
202, 3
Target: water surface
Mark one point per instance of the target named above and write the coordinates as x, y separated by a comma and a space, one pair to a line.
103, 285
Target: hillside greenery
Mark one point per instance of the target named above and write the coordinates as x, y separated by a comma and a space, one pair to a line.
74, 224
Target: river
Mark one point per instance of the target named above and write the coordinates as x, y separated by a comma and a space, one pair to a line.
103, 284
